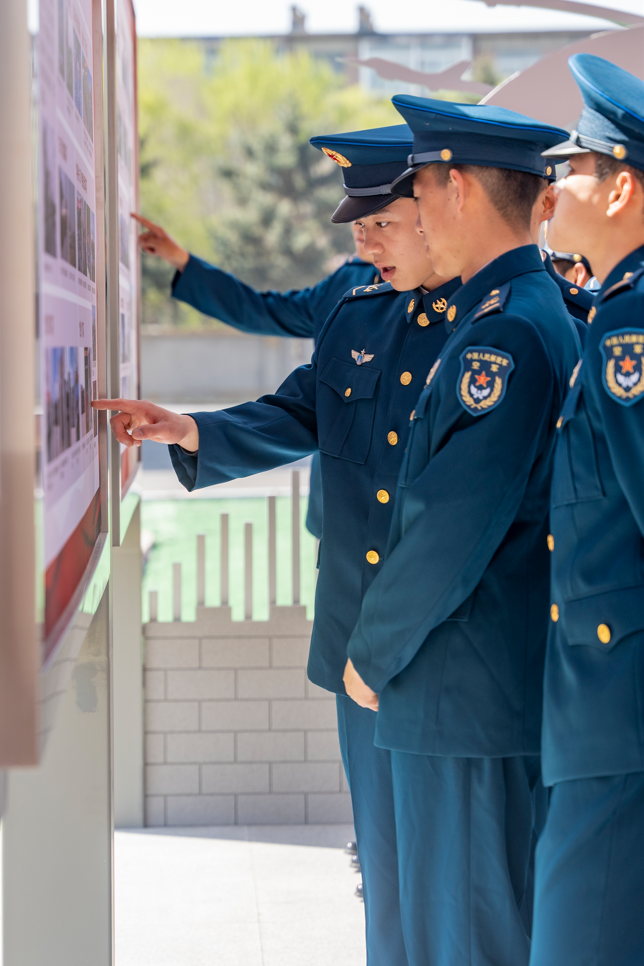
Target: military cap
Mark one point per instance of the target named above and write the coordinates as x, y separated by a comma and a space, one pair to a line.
573, 257
370, 161
473, 134
612, 119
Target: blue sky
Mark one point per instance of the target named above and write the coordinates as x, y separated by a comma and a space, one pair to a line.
243, 17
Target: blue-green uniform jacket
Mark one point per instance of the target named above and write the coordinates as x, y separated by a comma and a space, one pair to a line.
594, 683
352, 403
298, 313
452, 633
579, 301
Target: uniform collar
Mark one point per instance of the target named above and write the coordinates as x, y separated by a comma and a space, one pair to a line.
632, 263
518, 261
433, 304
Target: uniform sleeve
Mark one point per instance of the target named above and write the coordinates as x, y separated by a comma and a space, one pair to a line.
458, 510
623, 424
253, 437
218, 294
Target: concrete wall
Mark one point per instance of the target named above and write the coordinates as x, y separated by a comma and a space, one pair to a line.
235, 733
220, 367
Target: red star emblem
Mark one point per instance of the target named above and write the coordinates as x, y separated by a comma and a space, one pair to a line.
627, 364
482, 379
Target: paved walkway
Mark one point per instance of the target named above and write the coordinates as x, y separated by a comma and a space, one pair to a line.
237, 896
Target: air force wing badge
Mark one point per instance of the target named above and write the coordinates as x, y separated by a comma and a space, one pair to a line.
623, 369
361, 357
483, 378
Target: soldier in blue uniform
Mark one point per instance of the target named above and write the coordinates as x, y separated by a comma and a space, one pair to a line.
450, 641
352, 403
297, 313
590, 861
578, 300
574, 267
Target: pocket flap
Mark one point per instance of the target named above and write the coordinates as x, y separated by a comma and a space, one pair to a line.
343, 376
603, 620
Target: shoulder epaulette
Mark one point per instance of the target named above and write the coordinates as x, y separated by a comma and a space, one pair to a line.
362, 290
628, 282
493, 301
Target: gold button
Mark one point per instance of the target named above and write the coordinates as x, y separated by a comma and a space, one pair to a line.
347, 392
574, 291
495, 291
603, 633
576, 257
560, 422
406, 378
551, 542
554, 612
451, 313
422, 320
619, 151
446, 154
383, 496
373, 557
412, 414
392, 438
548, 170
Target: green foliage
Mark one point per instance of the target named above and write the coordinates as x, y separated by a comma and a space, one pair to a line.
226, 166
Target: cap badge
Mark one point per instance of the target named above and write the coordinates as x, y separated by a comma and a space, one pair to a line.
451, 313
619, 152
483, 378
361, 357
623, 374
549, 170
576, 257
439, 305
446, 154
337, 157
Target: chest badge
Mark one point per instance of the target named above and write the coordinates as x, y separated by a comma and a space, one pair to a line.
361, 357
623, 371
483, 378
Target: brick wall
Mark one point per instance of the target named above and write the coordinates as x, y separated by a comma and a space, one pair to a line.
235, 733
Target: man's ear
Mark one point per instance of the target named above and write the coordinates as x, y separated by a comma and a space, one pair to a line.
549, 202
621, 194
458, 188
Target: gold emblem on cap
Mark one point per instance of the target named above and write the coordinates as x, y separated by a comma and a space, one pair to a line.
576, 257
603, 633
548, 170
422, 320
411, 306
592, 314
451, 313
439, 305
337, 157
619, 152
554, 613
446, 154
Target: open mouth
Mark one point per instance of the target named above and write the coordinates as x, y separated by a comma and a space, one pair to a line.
386, 271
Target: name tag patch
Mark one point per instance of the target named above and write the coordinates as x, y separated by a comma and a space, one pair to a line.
483, 378
623, 369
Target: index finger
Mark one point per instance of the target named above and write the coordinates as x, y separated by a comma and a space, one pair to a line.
117, 405
143, 221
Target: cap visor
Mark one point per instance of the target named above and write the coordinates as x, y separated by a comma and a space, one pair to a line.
404, 185
350, 209
564, 150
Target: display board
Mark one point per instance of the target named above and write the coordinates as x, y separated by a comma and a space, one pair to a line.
70, 237
128, 164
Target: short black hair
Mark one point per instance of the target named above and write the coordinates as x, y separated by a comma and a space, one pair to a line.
512, 193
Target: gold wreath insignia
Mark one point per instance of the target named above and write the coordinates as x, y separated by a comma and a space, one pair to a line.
615, 387
337, 157
468, 399
411, 306
439, 305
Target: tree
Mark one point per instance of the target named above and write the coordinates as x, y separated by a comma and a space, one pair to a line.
227, 167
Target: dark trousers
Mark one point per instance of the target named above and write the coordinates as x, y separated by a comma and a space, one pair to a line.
589, 895
465, 841
368, 771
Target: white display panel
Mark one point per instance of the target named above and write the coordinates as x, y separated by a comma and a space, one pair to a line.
67, 233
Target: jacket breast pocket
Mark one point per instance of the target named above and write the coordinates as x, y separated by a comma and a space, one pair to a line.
604, 620
576, 476
346, 410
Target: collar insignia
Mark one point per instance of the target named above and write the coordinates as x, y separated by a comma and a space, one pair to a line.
439, 305
337, 157
451, 313
592, 314
411, 306
361, 357
623, 371
483, 378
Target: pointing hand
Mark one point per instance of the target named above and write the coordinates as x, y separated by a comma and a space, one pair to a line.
156, 241
138, 419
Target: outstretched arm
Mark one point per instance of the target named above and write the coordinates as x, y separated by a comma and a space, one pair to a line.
137, 419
